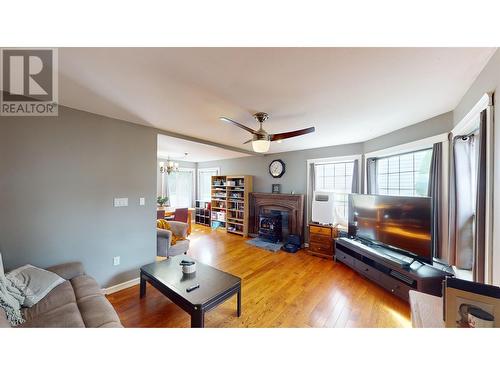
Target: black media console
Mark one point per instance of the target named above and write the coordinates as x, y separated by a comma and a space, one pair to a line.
390, 271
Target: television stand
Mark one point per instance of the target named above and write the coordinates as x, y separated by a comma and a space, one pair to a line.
398, 276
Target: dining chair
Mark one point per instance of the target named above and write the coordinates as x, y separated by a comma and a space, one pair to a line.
180, 214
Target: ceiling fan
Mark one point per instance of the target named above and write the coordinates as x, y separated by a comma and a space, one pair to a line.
261, 139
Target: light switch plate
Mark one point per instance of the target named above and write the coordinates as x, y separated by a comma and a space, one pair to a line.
121, 202
116, 261
142, 201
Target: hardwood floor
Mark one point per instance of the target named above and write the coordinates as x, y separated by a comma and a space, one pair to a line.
279, 290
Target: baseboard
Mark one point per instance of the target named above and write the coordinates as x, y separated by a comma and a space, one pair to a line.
121, 286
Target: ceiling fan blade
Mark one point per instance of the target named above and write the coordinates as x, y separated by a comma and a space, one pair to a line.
250, 140
228, 120
294, 133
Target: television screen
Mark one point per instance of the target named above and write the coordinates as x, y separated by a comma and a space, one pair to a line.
402, 223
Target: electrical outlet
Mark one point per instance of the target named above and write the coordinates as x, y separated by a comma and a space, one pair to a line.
116, 261
142, 201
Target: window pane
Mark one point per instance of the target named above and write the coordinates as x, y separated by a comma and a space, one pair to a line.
393, 192
349, 167
406, 163
394, 164
339, 183
348, 184
382, 181
406, 180
329, 169
393, 182
329, 183
340, 169
383, 166
405, 174
419, 157
421, 184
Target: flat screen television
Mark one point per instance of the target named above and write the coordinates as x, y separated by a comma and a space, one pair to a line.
402, 224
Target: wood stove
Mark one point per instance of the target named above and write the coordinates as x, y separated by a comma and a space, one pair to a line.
270, 226
293, 204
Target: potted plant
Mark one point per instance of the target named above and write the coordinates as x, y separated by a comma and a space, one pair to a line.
162, 201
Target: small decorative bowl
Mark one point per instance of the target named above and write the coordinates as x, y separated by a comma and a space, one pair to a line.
189, 268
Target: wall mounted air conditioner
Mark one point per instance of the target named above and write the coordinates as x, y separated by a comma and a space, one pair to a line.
323, 208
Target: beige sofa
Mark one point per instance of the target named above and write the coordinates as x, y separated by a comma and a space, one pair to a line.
76, 303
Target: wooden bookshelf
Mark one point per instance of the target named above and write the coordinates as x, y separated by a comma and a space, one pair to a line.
230, 202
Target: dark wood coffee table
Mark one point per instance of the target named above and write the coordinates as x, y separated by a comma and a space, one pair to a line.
215, 286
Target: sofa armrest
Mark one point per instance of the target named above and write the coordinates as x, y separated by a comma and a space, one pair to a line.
68, 271
165, 233
179, 228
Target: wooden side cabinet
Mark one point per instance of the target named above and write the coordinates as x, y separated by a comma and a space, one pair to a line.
322, 240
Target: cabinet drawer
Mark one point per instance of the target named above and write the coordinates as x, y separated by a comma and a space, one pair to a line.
395, 287
314, 237
344, 258
320, 230
367, 271
321, 247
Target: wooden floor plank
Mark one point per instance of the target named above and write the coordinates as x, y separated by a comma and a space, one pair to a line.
279, 290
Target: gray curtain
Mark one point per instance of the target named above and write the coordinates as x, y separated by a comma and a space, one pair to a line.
355, 178
462, 192
434, 191
371, 176
480, 222
312, 187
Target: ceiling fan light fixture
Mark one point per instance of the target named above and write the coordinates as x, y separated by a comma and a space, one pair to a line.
261, 145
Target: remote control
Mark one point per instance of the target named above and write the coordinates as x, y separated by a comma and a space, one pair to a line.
191, 288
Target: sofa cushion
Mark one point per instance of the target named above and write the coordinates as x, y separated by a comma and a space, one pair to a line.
34, 283
98, 312
85, 286
61, 295
66, 316
180, 248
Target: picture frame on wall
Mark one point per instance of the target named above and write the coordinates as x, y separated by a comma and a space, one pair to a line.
276, 189
470, 305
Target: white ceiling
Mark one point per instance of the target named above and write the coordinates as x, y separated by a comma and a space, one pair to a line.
175, 149
349, 94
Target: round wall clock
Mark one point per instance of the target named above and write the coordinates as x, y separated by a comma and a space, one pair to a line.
277, 168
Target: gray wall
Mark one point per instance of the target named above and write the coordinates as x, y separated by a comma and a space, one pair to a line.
436, 125
294, 178
58, 178
488, 81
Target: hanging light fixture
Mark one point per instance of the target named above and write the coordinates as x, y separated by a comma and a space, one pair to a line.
261, 145
170, 166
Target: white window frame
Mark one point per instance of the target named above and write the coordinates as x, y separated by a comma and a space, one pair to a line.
332, 159
399, 172
199, 170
